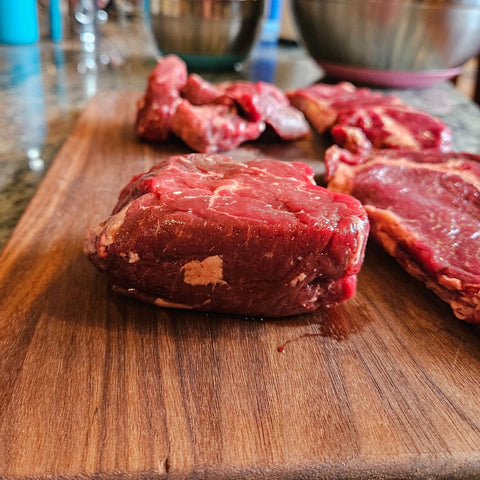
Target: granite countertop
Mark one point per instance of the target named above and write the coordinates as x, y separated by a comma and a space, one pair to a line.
45, 87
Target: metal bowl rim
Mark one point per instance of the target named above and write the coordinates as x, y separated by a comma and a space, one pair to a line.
432, 3
213, 1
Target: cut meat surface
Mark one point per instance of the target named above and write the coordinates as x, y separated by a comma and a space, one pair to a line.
323, 103
263, 101
360, 119
225, 114
424, 209
200, 92
392, 126
162, 95
213, 234
212, 128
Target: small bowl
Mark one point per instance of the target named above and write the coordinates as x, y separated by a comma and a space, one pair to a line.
207, 34
394, 43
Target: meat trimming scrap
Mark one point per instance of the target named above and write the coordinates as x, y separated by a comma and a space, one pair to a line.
210, 233
158, 104
359, 119
212, 117
424, 209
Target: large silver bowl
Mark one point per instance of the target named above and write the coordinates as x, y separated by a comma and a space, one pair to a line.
206, 33
390, 42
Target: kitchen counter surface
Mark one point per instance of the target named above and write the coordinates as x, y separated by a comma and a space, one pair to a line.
45, 87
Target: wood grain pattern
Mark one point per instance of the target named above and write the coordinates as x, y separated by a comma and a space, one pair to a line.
96, 385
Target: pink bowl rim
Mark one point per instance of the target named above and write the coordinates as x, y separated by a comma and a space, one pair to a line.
390, 78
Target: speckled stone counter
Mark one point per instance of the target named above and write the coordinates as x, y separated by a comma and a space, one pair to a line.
44, 88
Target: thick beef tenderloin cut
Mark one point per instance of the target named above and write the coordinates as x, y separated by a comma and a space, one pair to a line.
424, 209
212, 128
210, 233
162, 95
360, 119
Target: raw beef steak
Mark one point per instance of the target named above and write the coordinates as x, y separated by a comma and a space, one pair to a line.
209, 233
424, 209
212, 128
360, 119
157, 106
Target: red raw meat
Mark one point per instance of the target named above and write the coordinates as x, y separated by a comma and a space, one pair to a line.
210, 233
212, 128
322, 103
263, 101
424, 209
360, 119
200, 92
391, 126
162, 95
211, 117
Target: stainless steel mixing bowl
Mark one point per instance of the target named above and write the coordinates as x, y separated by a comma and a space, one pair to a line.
207, 34
390, 42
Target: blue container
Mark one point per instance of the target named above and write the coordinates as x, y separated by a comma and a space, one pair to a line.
272, 22
56, 31
18, 22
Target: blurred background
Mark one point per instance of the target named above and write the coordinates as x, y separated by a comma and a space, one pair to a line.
379, 35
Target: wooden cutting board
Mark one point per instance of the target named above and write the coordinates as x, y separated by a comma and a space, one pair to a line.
96, 385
